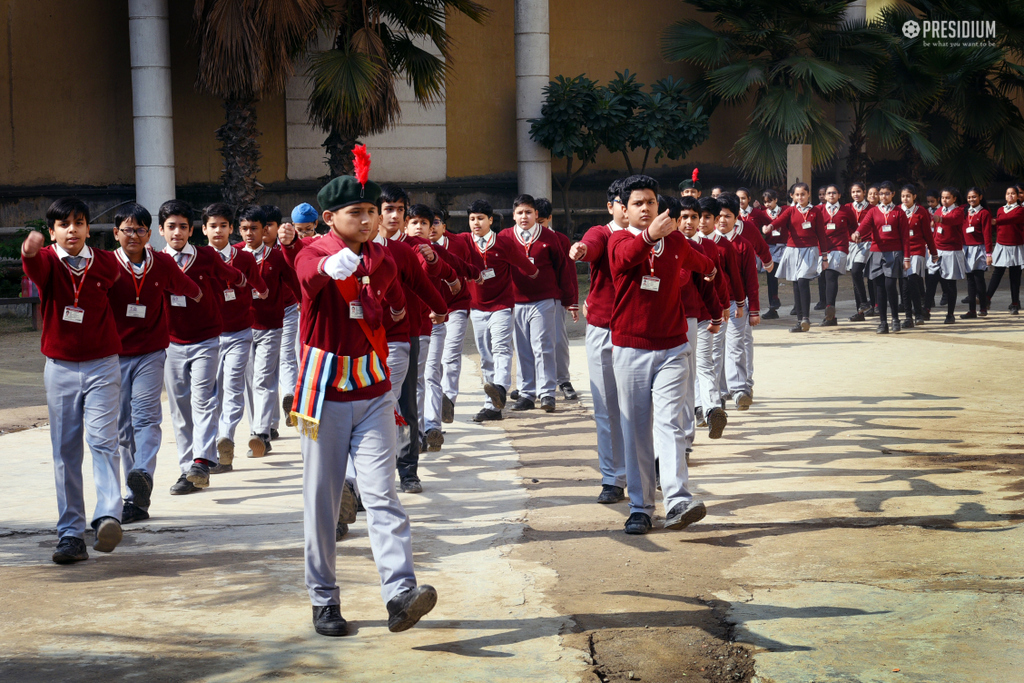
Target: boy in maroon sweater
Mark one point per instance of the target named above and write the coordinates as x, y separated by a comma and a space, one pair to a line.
345, 408
139, 303
649, 355
562, 379
190, 373
82, 376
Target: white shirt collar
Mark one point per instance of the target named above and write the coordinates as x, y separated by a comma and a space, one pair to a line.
614, 227
803, 209
534, 231
774, 213
86, 252
909, 210
832, 208
947, 209
886, 208
189, 250
731, 235
381, 239
746, 212
1010, 207
971, 210
860, 206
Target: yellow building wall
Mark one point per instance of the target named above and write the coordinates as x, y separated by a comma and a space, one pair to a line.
66, 99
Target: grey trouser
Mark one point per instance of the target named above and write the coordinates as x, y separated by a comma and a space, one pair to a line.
603, 392
493, 333
451, 358
261, 380
562, 346
138, 426
535, 348
190, 377
432, 377
235, 349
736, 352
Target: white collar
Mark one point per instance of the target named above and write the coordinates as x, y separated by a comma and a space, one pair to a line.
147, 259
774, 213
746, 212
534, 232
189, 250
947, 209
488, 240
260, 253
731, 235
909, 210
832, 208
614, 227
1010, 207
886, 208
381, 240
443, 241
227, 252
86, 252
803, 209
860, 206
971, 210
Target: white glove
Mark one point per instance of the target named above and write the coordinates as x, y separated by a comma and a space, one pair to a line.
341, 265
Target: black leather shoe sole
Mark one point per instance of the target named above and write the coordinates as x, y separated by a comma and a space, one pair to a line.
637, 527
524, 404
494, 393
420, 603
434, 439
182, 487
330, 627
68, 554
447, 410
685, 519
717, 420
257, 447
140, 486
198, 477
108, 535
548, 405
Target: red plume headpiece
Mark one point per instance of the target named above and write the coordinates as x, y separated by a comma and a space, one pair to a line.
361, 164
694, 174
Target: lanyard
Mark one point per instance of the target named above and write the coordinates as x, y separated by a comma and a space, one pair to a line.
655, 252
483, 250
885, 215
530, 243
78, 287
137, 281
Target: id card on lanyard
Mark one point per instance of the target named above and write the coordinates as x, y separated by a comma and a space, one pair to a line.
74, 314
137, 310
886, 226
651, 283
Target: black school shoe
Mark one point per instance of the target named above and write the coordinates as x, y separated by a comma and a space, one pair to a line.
225, 455
131, 513
141, 485
286, 406
883, 328
908, 323
183, 486
683, 515
611, 494
949, 320
274, 435
797, 328
447, 410
638, 524
108, 534
857, 317
772, 314
717, 420
405, 609
486, 414
434, 440
70, 549
412, 485
514, 394
896, 326
568, 391
820, 306
199, 474
523, 404
327, 621
340, 531
829, 322
547, 404
259, 445
497, 394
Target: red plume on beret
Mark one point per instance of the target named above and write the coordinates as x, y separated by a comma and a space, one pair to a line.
694, 174
361, 163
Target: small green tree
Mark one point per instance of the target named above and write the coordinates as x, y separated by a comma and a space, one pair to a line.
566, 126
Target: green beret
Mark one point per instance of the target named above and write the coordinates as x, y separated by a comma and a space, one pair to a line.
690, 185
346, 190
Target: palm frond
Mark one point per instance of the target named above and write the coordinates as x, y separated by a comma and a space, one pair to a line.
691, 41
732, 82
761, 156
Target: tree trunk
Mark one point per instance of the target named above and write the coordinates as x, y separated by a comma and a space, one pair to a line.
241, 152
629, 164
339, 153
647, 155
857, 162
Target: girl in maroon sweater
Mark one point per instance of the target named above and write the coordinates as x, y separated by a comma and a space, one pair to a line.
776, 245
804, 230
921, 248
977, 240
1008, 251
949, 241
858, 256
839, 223
886, 226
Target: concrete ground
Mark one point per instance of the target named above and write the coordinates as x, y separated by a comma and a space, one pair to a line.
864, 525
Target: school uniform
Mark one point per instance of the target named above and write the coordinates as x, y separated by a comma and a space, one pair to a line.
288, 367
888, 229
262, 400
977, 239
804, 231
536, 302
603, 391
346, 414
702, 306
739, 340
776, 247
920, 247
949, 241
235, 341
1008, 252
139, 302
491, 303
561, 327
82, 377
857, 259
648, 327
190, 373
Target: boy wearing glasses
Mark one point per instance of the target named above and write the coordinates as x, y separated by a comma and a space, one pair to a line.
138, 302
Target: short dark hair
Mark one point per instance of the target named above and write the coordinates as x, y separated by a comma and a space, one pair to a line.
271, 214
252, 213
524, 200
543, 207
717, 187
909, 188
670, 204
955, 192
742, 189
420, 211
729, 201
135, 212
216, 209
176, 207
797, 186
709, 205
481, 206
838, 191
976, 190
64, 208
392, 194
615, 190
857, 183
887, 185
637, 182
935, 193
689, 203
770, 195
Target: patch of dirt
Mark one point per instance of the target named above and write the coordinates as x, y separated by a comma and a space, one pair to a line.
22, 396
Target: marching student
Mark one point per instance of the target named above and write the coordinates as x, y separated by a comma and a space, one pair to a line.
304, 220
804, 230
977, 240
822, 303
537, 300
139, 303
1008, 251
932, 276
82, 377
920, 246
288, 366
600, 301
716, 190
264, 358
190, 373
858, 255
345, 408
691, 187
886, 226
949, 241
649, 356
777, 246
235, 345
562, 379
443, 379
839, 223
738, 353
491, 303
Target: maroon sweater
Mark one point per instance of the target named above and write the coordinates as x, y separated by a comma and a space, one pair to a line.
96, 336
468, 265
700, 297
949, 234
873, 224
198, 321
747, 262
729, 263
772, 236
501, 256
791, 224
552, 282
324, 320
279, 278
750, 233
601, 297
236, 301
644, 319
161, 274
420, 292
292, 293
838, 226
919, 233
978, 229
565, 244
1009, 226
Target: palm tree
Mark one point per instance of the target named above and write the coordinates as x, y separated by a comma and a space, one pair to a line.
246, 49
791, 58
376, 41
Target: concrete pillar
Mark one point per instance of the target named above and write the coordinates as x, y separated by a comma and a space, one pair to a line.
845, 115
532, 74
798, 167
150, 43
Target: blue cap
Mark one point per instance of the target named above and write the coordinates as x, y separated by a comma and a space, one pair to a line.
304, 213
